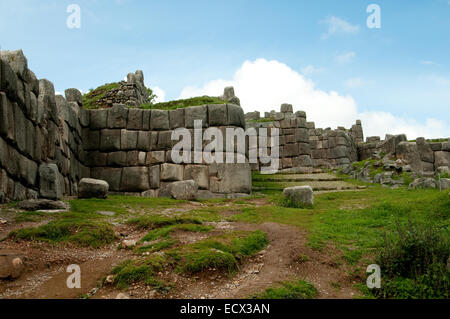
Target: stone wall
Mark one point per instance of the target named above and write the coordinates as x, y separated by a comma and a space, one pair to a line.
422, 156
304, 146
40, 135
48, 143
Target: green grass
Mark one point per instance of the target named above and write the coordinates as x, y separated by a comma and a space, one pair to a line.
177, 104
91, 98
221, 252
158, 221
80, 232
160, 245
167, 230
355, 221
140, 270
299, 289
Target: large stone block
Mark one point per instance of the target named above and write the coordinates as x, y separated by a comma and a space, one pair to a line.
3, 114
165, 141
135, 179
111, 175
84, 117
110, 140
117, 159
117, 116
47, 100
217, 114
299, 196
98, 119
128, 140
17, 61
176, 118
91, 139
159, 120
171, 172
198, 173
286, 108
135, 119
20, 129
74, 95
49, 181
154, 176
232, 178
92, 188
196, 113
425, 151
184, 190
144, 141
408, 151
8, 81
155, 157
441, 159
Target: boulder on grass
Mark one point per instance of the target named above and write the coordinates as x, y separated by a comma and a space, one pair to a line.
445, 183
92, 188
185, 190
423, 182
299, 196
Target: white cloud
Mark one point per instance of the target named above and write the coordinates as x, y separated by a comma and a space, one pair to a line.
345, 57
429, 63
311, 69
338, 26
264, 85
160, 94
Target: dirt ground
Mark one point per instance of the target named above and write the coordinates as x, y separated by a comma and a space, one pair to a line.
283, 259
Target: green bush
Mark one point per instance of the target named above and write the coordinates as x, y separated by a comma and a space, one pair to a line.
413, 261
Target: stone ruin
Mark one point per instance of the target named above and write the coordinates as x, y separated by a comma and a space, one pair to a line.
49, 142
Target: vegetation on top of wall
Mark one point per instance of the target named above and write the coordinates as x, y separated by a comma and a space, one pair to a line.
91, 98
178, 104
263, 120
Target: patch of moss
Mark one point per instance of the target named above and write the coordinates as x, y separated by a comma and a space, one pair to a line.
299, 289
140, 270
81, 232
167, 230
158, 221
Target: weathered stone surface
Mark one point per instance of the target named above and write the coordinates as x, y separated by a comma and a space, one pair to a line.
235, 115
8, 80
425, 151
128, 140
196, 113
171, 172
110, 140
135, 179
117, 116
159, 120
206, 194
92, 188
17, 61
176, 118
144, 141
231, 178
408, 151
442, 159
49, 181
217, 114
155, 157
286, 108
299, 195
184, 190
198, 173
154, 176
42, 204
111, 175
390, 145
11, 266
135, 119
74, 95
91, 139
117, 159
98, 119
423, 182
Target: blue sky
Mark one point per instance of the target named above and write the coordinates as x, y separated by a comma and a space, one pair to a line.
397, 77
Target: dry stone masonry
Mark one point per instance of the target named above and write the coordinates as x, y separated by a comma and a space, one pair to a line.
49, 143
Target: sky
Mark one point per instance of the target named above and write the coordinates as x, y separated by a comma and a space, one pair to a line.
320, 56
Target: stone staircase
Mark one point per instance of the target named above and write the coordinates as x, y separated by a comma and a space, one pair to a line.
319, 180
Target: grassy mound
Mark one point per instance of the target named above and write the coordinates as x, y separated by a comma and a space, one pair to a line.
80, 232
91, 98
299, 289
178, 104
